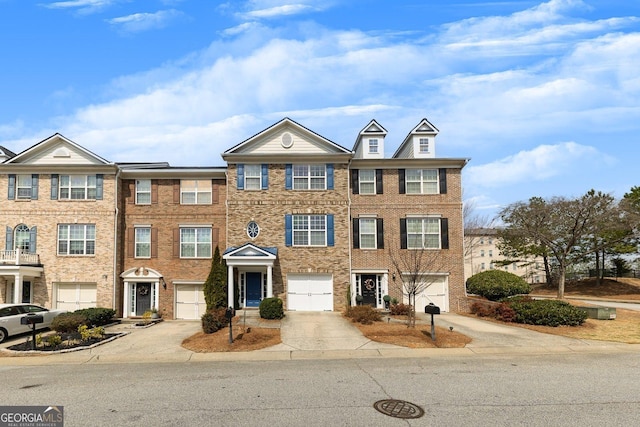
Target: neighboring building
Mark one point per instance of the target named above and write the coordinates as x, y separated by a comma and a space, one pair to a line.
482, 253
294, 215
60, 214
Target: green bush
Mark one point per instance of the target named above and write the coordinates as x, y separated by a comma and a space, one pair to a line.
97, 316
271, 308
68, 322
214, 320
364, 314
546, 312
495, 285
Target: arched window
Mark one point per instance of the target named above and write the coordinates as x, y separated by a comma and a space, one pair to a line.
22, 238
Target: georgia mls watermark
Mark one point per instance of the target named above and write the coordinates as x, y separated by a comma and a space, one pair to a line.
31, 416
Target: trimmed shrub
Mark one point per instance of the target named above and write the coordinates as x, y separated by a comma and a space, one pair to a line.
68, 322
271, 308
546, 312
364, 314
495, 285
399, 309
97, 316
214, 320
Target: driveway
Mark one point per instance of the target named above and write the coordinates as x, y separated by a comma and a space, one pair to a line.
305, 330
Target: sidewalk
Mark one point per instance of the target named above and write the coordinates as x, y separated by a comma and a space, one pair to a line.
305, 337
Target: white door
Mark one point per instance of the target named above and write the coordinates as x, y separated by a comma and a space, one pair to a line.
75, 296
190, 302
310, 292
436, 292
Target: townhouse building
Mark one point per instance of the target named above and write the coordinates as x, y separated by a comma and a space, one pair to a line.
294, 215
482, 253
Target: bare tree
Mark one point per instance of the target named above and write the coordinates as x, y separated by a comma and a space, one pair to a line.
416, 269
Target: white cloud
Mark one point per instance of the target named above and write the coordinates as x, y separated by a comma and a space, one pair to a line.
138, 22
83, 6
539, 164
273, 12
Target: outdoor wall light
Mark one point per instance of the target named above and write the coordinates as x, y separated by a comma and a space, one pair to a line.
393, 276
163, 283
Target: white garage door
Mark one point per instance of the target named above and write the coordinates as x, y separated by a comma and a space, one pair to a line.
436, 292
310, 292
75, 296
190, 303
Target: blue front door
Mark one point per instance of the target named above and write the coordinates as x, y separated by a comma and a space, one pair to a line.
254, 289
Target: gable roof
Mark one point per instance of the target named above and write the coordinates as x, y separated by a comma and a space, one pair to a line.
64, 149
372, 129
285, 138
423, 128
5, 152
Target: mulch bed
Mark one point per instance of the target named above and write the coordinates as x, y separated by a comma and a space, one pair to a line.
70, 341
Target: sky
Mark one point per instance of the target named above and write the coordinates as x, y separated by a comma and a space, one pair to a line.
542, 97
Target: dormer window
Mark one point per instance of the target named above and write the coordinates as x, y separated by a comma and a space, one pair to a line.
373, 145
424, 145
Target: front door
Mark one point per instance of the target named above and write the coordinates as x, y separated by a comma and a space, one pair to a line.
143, 298
369, 289
254, 289
26, 292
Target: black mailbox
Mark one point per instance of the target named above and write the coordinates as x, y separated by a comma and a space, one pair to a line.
432, 309
31, 319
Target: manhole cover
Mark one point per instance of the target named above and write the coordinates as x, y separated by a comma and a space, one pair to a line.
398, 408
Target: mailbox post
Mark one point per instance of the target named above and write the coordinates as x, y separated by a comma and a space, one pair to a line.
32, 319
229, 313
432, 309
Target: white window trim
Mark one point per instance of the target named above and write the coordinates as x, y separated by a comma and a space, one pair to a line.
196, 191
361, 181
308, 230
422, 182
300, 178
423, 234
70, 187
27, 185
375, 233
135, 238
196, 242
248, 177
84, 239
138, 192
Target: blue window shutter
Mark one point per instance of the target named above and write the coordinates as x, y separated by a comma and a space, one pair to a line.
330, 238
9, 239
240, 176
99, 186
329, 176
288, 176
288, 230
34, 186
12, 187
54, 186
33, 232
265, 177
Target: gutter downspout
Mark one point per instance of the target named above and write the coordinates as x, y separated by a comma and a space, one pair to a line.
115, 239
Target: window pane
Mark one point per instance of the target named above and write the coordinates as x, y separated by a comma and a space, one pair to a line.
204, 198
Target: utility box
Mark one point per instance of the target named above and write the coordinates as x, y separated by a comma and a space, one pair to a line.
600, 313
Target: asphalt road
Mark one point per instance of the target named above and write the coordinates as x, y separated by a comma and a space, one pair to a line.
581, 389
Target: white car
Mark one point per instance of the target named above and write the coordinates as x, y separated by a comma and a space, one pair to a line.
10, 315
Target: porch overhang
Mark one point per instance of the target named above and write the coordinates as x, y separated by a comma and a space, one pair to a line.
250, 254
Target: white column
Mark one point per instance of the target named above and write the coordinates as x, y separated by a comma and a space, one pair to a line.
125, 300
17, 289
269, 281
230, 287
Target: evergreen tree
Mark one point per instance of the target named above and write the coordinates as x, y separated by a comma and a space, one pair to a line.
215, 287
